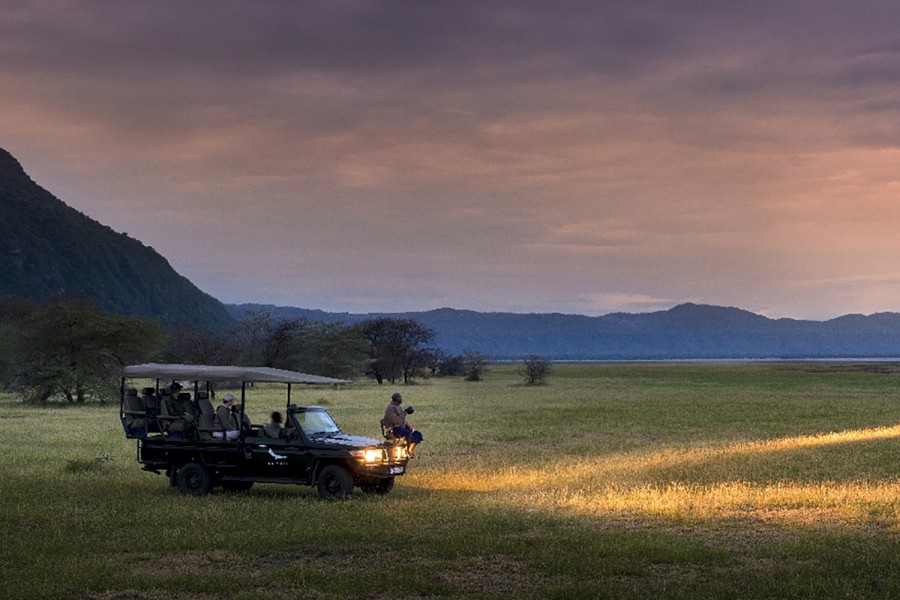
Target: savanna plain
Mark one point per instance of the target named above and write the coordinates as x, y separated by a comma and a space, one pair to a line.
758, 480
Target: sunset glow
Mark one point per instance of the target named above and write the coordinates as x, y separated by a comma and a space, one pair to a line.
506, 156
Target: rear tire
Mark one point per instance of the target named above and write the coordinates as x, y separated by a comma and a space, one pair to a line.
193, 479
334, 483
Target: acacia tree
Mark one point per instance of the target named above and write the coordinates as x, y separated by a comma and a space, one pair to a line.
196, 345
77, 352
395, 347
299, 344
265, 341
329, 349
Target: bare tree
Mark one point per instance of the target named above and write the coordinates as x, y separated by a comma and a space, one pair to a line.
535, 369
474, 365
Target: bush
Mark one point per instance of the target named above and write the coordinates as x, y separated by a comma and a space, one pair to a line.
535, 369
474, 365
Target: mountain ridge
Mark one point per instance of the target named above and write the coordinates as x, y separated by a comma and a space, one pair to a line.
685, 331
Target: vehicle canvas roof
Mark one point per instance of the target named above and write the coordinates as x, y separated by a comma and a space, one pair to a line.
225, 373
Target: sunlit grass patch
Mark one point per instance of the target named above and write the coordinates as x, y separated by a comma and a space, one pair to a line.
823, 505
690, 484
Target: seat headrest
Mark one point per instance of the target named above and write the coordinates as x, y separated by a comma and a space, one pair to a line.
131, 392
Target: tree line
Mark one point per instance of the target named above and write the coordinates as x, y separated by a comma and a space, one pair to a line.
69, 349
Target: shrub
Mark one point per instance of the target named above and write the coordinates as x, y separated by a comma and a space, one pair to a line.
535, 369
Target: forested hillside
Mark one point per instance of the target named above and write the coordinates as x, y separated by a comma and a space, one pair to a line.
48, 249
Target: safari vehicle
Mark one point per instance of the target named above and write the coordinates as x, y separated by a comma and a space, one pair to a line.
312, 451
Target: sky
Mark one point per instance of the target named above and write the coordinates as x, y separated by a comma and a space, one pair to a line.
385, 156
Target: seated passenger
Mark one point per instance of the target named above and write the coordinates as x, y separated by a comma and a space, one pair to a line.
225, 423
182, 409
273, 429
241, 416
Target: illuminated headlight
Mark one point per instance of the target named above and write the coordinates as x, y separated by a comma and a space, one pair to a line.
369, 455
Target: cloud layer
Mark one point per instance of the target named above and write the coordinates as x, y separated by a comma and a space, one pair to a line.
577, 157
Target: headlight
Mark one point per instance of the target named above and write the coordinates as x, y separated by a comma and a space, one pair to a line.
369, 455
400, 453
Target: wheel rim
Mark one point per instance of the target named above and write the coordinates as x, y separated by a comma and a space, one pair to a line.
195, 481
332, 485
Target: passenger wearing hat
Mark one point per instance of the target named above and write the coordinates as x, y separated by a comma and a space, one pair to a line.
395, 423
225, 423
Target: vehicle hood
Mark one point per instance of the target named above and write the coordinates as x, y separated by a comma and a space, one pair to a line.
349, 441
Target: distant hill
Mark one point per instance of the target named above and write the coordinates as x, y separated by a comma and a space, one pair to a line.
48, 248
688, 331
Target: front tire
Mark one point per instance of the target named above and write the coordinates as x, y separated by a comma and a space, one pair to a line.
193, 479
334, 483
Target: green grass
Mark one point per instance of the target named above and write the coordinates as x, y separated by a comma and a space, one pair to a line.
611, 481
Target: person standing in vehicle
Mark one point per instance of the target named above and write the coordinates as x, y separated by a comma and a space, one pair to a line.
395, 422
225, 423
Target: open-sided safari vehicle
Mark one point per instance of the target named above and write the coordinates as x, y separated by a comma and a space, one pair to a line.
195, 454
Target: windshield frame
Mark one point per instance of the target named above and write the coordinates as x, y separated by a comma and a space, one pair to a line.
319, 424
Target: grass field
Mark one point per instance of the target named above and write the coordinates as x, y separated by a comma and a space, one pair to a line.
611, 481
